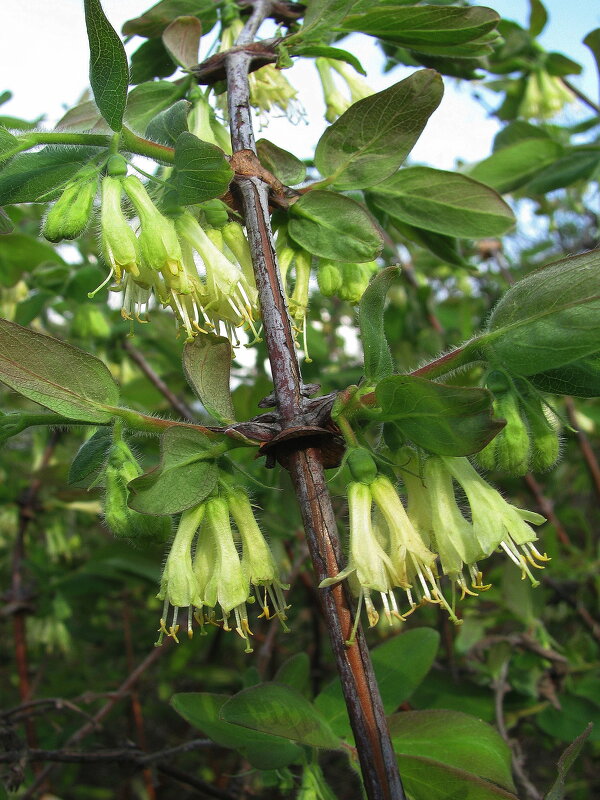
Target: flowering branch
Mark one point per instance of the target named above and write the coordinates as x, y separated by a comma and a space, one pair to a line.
365, 709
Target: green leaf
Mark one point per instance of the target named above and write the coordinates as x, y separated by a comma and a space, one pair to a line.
548, 319
443, 202
446, 420
333, 226
22, 253
400, 664
153, 22
201, 170
183, 479
319, 19
285, 166
565, 762
579, 378
567, 723
282, 711
538, 17
512, 166
55, 374
90, 457
516, 132
207, 365
377, 356
443, 247
592, 41
374, 136
30, 308
39, 177
9, 145
182, 40
109, 72
324, 51
561, 66
6, 223
202, 710
84, 117
454, 739
295, 672
147, 100
427, 779
428, 29
167, 126
151, 60
574, 166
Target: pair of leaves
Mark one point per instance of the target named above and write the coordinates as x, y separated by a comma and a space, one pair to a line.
55, 374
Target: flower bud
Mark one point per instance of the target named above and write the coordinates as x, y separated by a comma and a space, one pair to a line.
508, 451
354, 282
545, 443
329, 278
362, 465
70, 215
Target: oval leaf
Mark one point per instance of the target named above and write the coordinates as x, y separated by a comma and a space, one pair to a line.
579, 378
377, 356
207, 364
374, 136
427, 779
455, 739
57, 375
182, 479
332, 226
512, 166
280, 710
201, 170
109, 73
285, 166
202, 710
447, 420
444, 202
548, 319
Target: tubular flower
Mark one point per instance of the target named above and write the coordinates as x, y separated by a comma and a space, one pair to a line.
496, 523
204, 124
359, 89
258, 563
369, 565
335, 102
230, 298
178, 586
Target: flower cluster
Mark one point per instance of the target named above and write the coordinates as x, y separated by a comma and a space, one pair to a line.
392, 547
205, 568
204, 276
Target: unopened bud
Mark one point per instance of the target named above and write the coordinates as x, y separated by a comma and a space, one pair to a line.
70, 215
355, 280
329, 278
362, 465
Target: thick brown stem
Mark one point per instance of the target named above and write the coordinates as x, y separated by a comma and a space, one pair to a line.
365, 709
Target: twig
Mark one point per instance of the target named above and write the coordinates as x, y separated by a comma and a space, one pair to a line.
584, 445
365, 709
583, 97
501, 687
177, 404
111, 755
86, 729
546, 506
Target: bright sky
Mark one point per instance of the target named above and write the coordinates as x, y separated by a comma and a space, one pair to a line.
44, 62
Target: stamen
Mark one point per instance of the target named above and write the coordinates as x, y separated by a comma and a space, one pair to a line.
102, 285
190, 632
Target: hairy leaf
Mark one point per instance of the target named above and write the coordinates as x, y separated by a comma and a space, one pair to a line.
55, 374
39, 177
548, 319
446, 420
579, 378
201, 170
443, 202
9, 145
182, 479
202, 710
333, 226
285, 166
377, 356
90, 457
280, 710
207, 365
374, 136
109, 72
167, 126
565, 762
